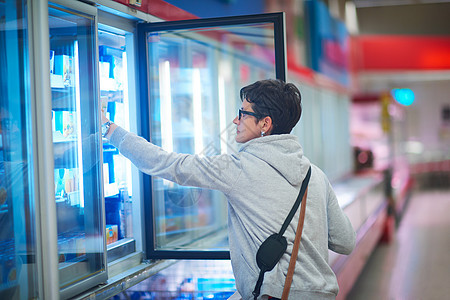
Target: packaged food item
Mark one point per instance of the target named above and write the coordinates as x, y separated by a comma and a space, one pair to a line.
59, 182
104, 103
67, 181
64, 67
74, 198
104, 69
53, 121
125, 213
80, 246
3, 195
105, 174
71, 248
115, 236
111, 234
68, 124
62, 249
9, 269
52, 62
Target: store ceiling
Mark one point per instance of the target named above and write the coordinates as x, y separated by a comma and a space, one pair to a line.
403, 17
377, 3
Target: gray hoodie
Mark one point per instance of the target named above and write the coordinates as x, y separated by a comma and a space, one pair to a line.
261, 183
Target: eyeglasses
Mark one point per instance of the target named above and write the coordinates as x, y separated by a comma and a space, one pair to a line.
244, 112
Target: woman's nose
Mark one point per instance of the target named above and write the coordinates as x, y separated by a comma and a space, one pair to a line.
236, 120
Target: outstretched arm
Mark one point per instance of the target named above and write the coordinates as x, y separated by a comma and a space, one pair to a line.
218, 172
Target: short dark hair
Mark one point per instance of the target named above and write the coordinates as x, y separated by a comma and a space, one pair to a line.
274, 98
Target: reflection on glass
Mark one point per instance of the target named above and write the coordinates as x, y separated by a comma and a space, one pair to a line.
17, 212
116, 169
76, 144
195, 78
166, 106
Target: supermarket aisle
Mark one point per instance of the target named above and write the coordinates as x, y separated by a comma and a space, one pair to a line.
416, 264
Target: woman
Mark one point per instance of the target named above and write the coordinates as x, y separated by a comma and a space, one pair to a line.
261, 183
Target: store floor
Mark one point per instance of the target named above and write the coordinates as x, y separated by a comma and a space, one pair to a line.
415, 265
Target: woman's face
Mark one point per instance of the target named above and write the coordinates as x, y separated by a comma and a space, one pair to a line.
248, 127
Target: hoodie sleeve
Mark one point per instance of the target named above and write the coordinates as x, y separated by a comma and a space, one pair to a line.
341, 235
214, 172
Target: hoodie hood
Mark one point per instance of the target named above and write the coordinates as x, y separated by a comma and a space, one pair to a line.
283, 153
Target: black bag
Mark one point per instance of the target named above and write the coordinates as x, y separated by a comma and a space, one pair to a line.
273, 248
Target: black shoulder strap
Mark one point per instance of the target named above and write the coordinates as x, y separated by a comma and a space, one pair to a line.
286, 223
297, 203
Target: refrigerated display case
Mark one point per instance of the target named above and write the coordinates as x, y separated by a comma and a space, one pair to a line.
115, 47
18, 271
88, 63
76, 146
190, 84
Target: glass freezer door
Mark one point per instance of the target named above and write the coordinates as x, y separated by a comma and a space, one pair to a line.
115, 49
190, 85
19, 274
76, 144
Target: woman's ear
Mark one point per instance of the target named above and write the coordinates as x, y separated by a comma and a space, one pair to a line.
266, 125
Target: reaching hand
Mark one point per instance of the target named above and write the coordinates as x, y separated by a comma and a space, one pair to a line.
104, 118
112, 126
